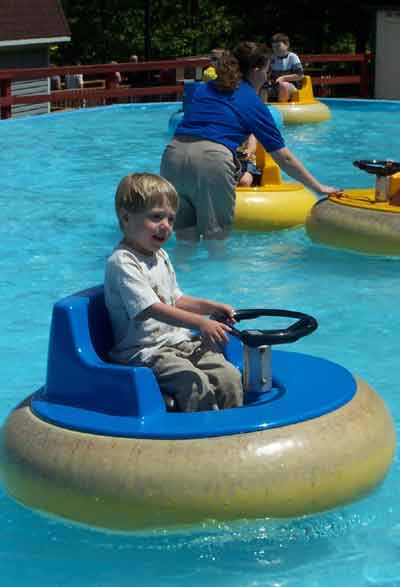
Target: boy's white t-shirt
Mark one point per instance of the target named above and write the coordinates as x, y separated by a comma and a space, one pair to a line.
134, 282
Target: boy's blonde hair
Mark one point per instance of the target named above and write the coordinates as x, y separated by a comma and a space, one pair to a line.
137, 192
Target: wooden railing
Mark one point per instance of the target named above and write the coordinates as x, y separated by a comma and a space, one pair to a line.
164, 79
329, 70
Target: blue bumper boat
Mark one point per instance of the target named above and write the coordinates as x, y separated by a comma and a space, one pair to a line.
97, 444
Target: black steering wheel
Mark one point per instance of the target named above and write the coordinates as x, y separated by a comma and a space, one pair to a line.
382, 168
304, 325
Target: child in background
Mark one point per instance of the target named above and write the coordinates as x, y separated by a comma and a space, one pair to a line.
246, 154
151, 318
116, 76
286, 70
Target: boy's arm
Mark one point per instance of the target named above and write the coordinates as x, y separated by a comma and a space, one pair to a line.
295, 72
211, 331
204, 306
290, 77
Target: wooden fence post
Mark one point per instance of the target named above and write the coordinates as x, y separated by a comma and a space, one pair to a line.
364, 75
5, 93
111, 84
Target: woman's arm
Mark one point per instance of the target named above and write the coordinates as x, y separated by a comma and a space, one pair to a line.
293, 167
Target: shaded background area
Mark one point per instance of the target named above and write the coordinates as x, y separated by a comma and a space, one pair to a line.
163, 29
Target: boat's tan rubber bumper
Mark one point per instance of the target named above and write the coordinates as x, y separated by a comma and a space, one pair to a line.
366, 230
127, 484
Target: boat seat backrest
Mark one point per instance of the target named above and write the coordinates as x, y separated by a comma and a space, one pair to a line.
305, 93
78, 370
99, 323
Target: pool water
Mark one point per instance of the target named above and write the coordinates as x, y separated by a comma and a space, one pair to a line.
57, 184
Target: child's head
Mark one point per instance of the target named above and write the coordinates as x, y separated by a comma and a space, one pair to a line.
138, 192
280, 42
146, 205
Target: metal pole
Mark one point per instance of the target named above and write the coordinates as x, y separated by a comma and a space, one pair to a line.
257, 372
381, 188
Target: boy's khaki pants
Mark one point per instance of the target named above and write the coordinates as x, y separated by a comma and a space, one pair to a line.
197, 377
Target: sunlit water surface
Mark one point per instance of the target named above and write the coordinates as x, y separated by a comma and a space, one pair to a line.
58, 177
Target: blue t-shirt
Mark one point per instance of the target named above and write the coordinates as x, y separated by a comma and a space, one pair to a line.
229, 118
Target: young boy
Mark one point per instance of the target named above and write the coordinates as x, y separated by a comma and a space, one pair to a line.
286, 71
246, 155
151, 317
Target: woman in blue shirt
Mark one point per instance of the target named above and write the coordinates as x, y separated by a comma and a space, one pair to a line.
201, 161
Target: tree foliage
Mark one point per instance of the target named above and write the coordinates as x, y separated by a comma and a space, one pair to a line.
105, 30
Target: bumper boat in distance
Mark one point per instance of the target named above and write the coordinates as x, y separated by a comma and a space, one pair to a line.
303, 107
96, 444
273, 205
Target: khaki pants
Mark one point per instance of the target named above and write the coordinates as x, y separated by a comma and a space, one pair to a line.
197, 377
204, 174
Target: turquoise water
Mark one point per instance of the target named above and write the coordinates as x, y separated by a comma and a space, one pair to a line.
56, 205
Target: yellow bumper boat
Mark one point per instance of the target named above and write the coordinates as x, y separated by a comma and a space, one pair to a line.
303, 107
275, 204
364, 220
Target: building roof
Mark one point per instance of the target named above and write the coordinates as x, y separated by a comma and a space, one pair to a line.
27, 22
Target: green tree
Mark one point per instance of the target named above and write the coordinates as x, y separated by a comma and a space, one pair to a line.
103, 30
114, 29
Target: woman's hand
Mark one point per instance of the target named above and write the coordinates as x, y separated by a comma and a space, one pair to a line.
327, 190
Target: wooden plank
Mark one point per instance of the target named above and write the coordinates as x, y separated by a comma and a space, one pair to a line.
335, 57
338, 80
90, 70
93, 93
